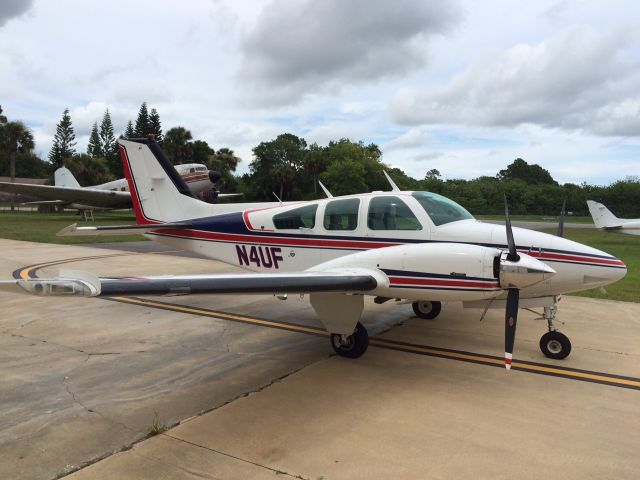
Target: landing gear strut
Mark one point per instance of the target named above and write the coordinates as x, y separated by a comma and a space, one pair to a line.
428, 310
553, 343
351, 346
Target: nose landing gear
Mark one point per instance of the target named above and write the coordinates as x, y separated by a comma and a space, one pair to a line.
554, 344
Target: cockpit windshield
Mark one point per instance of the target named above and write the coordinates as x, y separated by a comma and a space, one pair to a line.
441, 209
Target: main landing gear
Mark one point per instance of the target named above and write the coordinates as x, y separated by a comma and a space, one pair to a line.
351, 346
554, 344
428, 310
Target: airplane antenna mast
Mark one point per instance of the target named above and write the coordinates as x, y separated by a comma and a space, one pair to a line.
394, 187
274, 194
326, 191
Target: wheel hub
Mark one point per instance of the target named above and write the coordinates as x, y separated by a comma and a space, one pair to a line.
554, 346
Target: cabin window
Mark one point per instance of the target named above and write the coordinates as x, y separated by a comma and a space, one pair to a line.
341, 214
391, 213
441, 209
303, 217
201, 169
192, 170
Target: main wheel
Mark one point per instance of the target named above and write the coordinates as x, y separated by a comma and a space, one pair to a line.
427, 310
355, 345
555, 345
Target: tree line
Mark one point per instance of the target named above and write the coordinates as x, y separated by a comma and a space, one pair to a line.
289, 168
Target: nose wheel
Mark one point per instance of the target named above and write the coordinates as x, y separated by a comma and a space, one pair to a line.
554, 344
351, 346
428, 310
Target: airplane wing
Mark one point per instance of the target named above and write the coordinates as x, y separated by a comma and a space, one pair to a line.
85, 196
86, 285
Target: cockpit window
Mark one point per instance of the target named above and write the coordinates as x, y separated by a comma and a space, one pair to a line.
201, 169
303, 217
441, 209
341, 214
391, 213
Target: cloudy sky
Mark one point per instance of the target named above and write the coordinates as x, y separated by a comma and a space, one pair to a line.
461, 86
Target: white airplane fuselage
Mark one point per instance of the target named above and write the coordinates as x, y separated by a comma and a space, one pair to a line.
245, 235
195, 175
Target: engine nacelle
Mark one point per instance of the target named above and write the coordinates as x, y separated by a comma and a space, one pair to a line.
428, 271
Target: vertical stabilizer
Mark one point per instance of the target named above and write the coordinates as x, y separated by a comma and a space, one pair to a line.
602, 216
64, 178
158, 193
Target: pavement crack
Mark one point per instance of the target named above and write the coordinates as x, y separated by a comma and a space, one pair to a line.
79, 402
235, 457
47, 342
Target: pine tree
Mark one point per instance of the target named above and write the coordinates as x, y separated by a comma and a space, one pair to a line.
109, 147
107, 140
94, 148
63, 141
129, 132
154, 125
143, 123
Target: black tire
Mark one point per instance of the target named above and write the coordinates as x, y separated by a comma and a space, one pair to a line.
356, 345
428, 310
555, 345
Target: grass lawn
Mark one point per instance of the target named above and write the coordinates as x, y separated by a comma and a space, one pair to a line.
626, 248
42, 227
537, 218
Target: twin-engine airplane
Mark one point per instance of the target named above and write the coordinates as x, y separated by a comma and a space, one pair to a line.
67, 191
606, 220
416, 246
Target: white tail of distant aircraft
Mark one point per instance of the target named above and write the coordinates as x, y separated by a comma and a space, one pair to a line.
605, 219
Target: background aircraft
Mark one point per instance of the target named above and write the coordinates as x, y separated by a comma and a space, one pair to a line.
605, 219
67, 192
416, 246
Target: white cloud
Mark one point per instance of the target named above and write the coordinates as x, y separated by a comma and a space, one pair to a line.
411, 138
302, 47
576, 79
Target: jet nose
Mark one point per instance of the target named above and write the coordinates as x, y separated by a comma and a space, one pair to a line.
214, 176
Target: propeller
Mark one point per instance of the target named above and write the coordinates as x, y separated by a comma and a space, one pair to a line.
560, 232
516, 271
513, 295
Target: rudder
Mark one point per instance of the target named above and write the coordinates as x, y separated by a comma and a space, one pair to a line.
158, 193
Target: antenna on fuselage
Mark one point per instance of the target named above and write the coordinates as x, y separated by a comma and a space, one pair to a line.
394, 187
326, 191
274, 194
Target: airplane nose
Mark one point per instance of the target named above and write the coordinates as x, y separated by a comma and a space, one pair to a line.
214, 176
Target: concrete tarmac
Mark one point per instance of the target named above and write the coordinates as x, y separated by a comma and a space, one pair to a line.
84, 378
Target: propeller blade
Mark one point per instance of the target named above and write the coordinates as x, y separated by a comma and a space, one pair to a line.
560, 232
513, 254
510, 319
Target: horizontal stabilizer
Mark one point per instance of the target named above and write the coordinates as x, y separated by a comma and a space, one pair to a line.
75, 230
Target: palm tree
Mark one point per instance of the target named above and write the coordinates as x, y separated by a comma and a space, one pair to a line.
17, 138
177, 145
